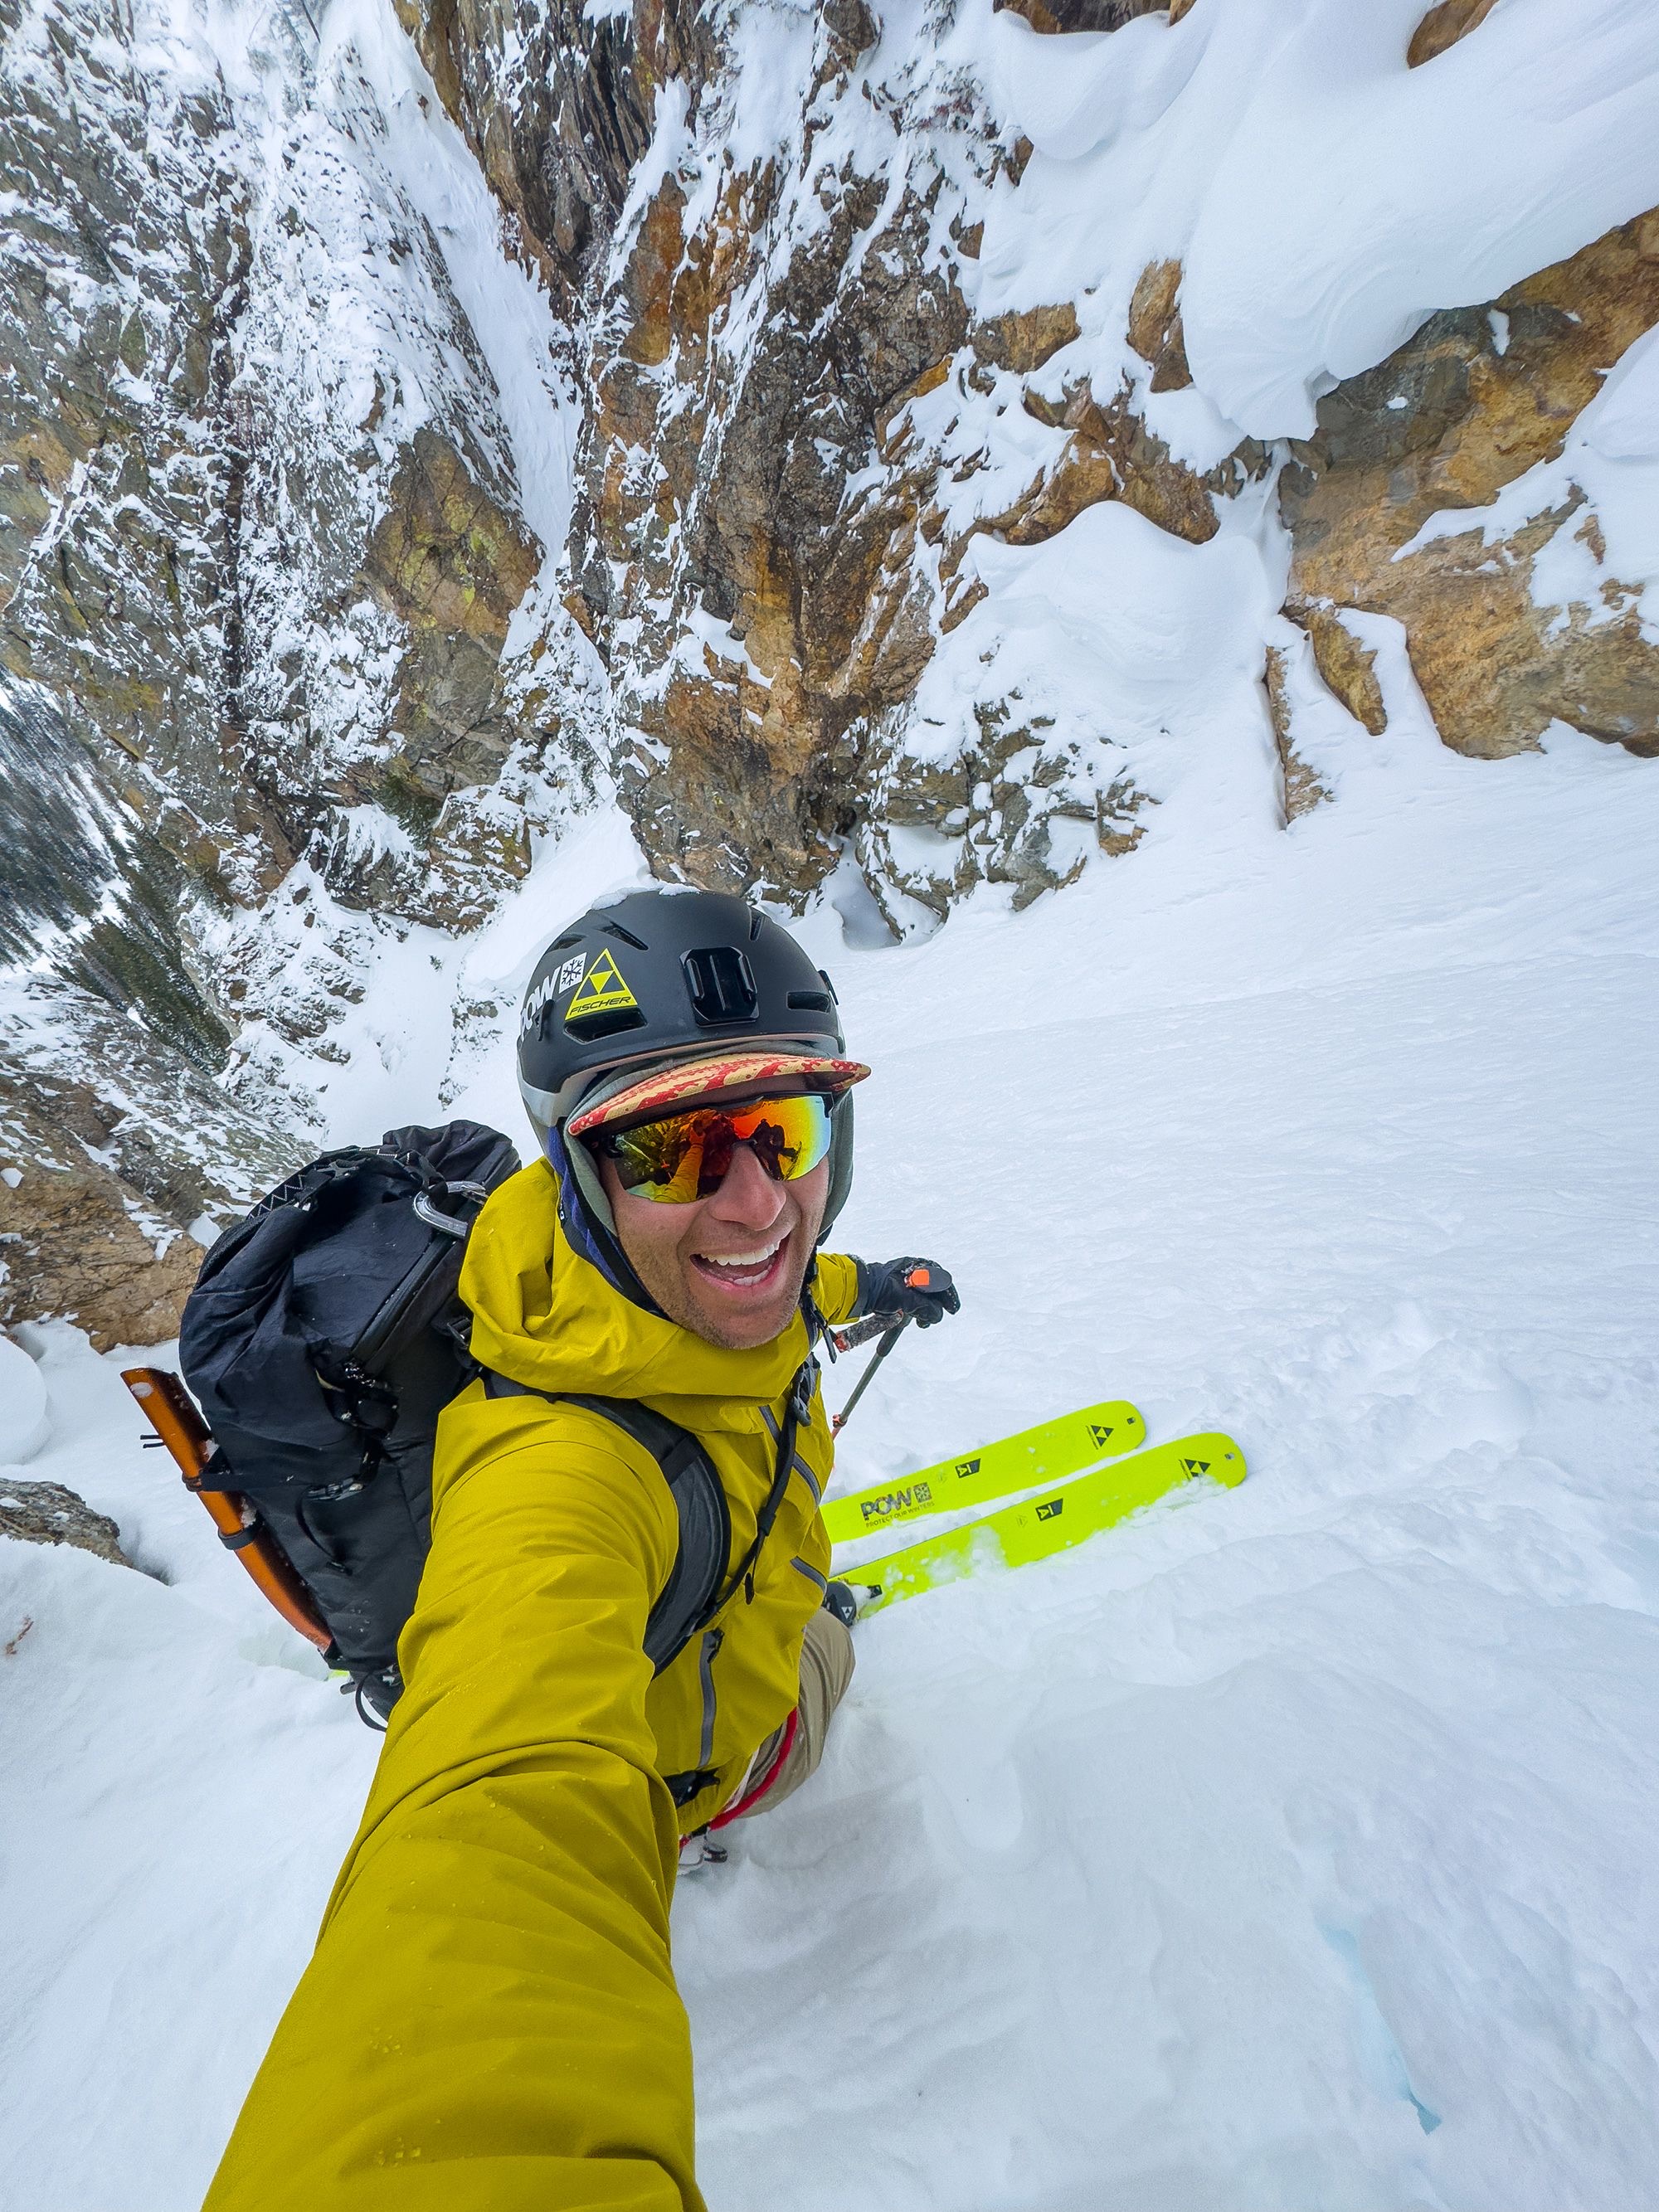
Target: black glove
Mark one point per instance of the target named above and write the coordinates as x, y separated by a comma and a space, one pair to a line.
920, 1287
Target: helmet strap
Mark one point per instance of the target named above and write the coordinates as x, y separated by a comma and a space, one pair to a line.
586, 1217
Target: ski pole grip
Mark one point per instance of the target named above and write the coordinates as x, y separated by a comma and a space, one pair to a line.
860, 1332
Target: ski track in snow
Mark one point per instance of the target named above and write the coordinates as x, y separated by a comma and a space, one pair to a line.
1287, 1846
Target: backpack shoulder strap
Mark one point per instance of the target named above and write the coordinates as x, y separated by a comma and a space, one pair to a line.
688, 1598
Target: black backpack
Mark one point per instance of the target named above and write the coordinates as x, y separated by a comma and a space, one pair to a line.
323, 1339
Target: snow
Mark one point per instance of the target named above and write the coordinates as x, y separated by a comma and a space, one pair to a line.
25, 1417
1324, 198
179, 1782
1287, 1846
1119, 630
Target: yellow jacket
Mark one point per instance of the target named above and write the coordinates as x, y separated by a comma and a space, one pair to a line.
489, 2022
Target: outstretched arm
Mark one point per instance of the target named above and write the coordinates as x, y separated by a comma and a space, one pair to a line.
490, 2020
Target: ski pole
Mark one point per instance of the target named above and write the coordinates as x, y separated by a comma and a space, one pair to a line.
889, 1327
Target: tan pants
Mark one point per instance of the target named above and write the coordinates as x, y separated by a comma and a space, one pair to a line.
826, 1668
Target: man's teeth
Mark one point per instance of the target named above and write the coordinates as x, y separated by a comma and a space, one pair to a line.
748, 1267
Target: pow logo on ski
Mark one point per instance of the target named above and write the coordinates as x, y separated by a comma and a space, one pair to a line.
1051, 1509
1098, 1432
896, 1501
967, 1467
603, 991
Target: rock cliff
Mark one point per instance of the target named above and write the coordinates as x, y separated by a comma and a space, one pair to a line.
414, 433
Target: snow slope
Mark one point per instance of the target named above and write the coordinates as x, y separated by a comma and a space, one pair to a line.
1323, 199
1289, 1846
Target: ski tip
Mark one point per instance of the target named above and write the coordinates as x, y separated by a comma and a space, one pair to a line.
1215, 1455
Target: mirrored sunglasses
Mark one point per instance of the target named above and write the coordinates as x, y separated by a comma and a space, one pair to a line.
683, 1157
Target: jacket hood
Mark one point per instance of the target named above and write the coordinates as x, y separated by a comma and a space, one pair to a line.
545, 1315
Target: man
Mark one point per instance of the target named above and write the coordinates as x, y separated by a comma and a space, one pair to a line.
490, 2018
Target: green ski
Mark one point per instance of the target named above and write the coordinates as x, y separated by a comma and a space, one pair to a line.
1048, 1454
1017, 1534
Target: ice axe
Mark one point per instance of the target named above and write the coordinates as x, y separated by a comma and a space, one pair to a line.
889, 1326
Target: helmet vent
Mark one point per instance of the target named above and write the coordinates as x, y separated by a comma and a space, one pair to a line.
721, 984
615, 929
812, 1002
604, 1021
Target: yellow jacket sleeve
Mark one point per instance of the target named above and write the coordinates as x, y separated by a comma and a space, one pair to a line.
836, 1285
490, 2018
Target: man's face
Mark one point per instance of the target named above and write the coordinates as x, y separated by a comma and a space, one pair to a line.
729, 1266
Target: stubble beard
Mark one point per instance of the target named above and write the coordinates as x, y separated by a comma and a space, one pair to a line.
669, 1279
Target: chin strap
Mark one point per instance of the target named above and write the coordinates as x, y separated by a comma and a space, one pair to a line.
599, 1246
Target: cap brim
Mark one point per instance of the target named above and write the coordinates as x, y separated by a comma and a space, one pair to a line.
670, 1087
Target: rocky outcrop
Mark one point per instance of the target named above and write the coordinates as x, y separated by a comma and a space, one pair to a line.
1155, 330
77, 1239
1301, 788
290, 668
122, 266
1110, 453
559, 103
768, 544
49, 1513
1051, 15
113, 1140
1479, 398
235, 569
112, 1147
769, 617
1021, 805
745, 365
1446, 22
261, 543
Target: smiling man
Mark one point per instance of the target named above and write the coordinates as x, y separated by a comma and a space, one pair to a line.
625, 1639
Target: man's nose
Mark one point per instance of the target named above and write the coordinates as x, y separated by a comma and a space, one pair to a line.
748, 1197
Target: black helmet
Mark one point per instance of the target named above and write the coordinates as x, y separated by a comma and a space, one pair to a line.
647, 979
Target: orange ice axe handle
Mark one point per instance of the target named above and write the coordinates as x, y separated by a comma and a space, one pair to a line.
168, 1406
